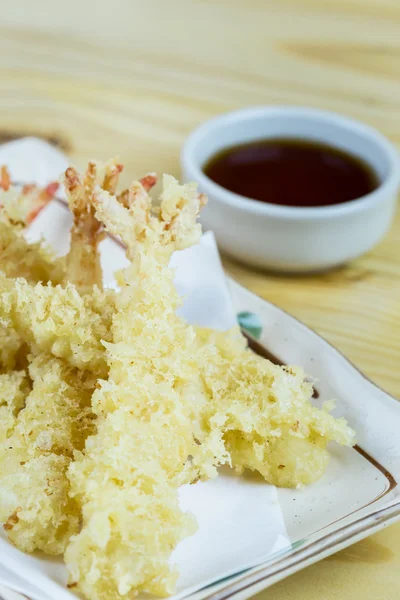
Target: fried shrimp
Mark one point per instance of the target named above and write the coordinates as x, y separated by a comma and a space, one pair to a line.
263, 413
18, 258
83, 259
19, 206
127, 479
109, 401
173, 224
54, 422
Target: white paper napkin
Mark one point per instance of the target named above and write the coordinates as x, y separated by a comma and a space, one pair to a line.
240, 520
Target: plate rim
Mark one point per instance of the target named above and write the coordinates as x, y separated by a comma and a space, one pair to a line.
274, 570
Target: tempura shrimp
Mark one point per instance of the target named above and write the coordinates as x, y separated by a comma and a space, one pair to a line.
20, 206
83, 258
127, 478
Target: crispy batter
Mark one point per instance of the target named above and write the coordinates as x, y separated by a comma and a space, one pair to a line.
19, 206
10, 346
128, 478
34, 262
263, 413
172, 227
14, 388
59, 320
147, 182
38, 447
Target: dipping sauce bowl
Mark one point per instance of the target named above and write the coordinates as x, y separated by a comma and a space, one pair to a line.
294, 238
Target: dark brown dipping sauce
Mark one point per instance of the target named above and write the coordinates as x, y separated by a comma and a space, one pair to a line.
292, 172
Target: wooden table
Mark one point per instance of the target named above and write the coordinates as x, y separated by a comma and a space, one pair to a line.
133, 78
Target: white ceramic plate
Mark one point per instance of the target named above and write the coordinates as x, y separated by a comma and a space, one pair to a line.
359, 493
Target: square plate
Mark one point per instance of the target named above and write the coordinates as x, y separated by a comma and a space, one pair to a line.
359, 493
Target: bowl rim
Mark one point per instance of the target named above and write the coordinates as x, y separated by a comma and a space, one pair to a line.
193, 168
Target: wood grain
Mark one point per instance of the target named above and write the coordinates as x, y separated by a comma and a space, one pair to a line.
134, 78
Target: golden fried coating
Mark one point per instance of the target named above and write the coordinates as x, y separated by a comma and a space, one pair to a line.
263, 413
165, 229
60, 321
10, 346
34, 262
127, 479
14, 387
126, 198
53, 422
18, 208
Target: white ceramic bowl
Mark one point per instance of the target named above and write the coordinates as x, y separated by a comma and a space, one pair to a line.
294, 239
